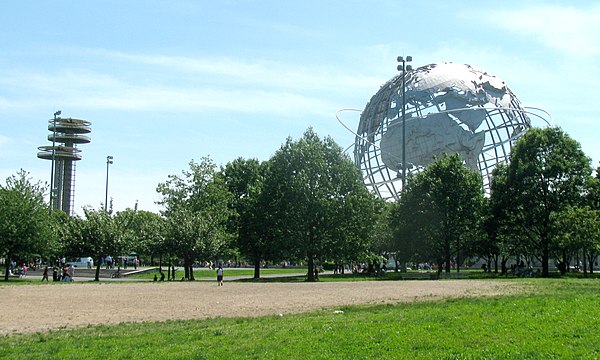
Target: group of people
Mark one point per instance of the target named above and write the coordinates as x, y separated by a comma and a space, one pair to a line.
174, 272
64, 274
172, 275
109, 262
20, 271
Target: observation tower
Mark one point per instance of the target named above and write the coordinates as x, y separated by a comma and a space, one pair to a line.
66, 134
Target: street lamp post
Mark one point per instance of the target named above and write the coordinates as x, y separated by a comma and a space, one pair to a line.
403, 68
53, 156
109, 160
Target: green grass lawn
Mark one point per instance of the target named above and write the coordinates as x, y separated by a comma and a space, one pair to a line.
227, 272
557, 318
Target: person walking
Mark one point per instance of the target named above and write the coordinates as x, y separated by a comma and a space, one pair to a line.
45, 274
220, 276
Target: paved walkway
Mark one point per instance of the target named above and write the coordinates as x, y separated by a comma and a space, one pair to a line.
82, 275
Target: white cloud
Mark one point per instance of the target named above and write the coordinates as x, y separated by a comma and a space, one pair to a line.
573, 29
184, 83
257, 73
4, 140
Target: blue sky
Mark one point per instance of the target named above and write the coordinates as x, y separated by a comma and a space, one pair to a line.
165, 82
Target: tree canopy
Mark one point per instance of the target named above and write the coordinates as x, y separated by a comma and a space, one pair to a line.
438, 215
24, 219
245, 180
548, 171
319, 206
197, 210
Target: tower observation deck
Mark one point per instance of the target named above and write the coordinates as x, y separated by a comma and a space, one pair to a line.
66, 134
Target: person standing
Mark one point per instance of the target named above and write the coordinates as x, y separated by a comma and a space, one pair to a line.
220, 276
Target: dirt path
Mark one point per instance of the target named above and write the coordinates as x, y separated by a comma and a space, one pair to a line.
30, 308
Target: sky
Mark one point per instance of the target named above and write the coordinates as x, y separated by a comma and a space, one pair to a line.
167, 82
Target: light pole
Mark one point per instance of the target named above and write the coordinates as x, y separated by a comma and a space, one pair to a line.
53, 156
403, 68
109, 160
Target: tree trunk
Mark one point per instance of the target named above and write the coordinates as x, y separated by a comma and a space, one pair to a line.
191, 271
503, 264
591, 261
311, 269
457, 255
257, 268
545, 259
186, 268
97, 276
447, 254
563, 267
7, 263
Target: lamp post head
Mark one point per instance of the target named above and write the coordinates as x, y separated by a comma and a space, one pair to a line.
403, 61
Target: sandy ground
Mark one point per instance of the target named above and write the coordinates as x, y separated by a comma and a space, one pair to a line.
31, 308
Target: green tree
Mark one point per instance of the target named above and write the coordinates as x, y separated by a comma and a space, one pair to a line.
383, 236
438, 216
500, 242
245, 179
197, 210
150, 234
97, 234
25, 226
548, 171
593, 195
125, 224
579, 229
61, 233
317, 203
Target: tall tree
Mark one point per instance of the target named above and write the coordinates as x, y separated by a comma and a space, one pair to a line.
245, 179
439, 213
548, 171
501, 241
318, 204
24, 219
197, 209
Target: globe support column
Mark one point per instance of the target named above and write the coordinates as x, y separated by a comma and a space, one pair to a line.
403, 67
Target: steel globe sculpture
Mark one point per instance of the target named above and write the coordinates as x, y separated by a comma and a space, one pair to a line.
449, 108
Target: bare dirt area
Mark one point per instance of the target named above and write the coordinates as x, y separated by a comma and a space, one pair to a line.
32, 308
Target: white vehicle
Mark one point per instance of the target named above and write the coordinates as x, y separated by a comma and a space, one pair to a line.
81, 262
